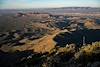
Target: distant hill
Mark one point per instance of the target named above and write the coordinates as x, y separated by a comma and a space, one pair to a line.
55, 10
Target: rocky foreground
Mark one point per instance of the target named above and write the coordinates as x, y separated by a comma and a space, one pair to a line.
47, 52
44, 40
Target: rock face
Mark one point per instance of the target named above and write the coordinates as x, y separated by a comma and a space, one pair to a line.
89, 23
77, 37
46, 44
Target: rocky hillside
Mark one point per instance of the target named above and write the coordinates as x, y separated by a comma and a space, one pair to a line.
45, 40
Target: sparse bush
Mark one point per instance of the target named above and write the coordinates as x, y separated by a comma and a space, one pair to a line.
88, 53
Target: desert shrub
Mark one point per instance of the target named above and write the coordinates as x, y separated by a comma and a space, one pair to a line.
88, 53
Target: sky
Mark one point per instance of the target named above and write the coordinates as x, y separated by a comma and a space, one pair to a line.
17, 4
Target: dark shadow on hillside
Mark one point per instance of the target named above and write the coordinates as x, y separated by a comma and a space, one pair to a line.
77, 37
19, 59
12, 59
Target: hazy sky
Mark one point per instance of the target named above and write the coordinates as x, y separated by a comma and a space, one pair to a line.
14, 4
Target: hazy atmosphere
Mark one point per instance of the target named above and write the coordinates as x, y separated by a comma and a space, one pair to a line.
15, 4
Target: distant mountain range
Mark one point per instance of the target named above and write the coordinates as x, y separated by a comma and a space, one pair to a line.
54, 10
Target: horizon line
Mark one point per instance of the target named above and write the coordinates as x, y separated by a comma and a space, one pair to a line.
54, 7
